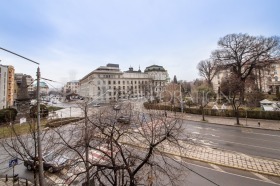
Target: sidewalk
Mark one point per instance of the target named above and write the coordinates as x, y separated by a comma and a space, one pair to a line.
250, 123
215, 156
20, 182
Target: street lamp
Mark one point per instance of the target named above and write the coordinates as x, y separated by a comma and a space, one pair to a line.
41, 171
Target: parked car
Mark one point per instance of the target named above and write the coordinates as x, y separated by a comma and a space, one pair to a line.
124, 119
52, 162
96, 105
117, 107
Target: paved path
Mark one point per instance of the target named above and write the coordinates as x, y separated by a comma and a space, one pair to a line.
20, 182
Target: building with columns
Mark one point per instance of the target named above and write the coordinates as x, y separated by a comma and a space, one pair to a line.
108, 83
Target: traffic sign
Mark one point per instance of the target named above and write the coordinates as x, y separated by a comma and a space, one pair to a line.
13, 162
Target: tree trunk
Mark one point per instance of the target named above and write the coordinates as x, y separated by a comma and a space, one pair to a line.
203, 114
237, 117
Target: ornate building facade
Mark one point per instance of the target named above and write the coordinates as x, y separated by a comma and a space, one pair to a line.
109, 83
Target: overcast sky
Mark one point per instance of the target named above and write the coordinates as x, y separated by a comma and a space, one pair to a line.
70, 38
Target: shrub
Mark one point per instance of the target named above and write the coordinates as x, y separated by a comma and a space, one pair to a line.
8, 115
44, 112
62, 121
272, 115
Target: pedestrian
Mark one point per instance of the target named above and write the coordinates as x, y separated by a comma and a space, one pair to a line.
259, 123
165, 113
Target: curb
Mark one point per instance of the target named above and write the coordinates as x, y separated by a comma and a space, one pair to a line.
235, 167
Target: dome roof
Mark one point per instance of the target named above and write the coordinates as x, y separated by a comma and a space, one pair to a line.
154, 68
42, 85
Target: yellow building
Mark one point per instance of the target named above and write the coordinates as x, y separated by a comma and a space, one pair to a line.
10, 86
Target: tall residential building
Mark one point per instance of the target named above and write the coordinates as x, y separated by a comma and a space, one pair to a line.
10, 84
3, 85
109, 83
18, 81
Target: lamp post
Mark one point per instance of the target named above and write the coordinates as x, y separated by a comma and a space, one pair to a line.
41, 171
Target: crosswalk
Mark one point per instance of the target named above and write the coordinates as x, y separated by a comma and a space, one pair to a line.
75, 174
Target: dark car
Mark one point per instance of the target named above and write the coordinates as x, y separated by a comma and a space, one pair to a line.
51, 162
124, 119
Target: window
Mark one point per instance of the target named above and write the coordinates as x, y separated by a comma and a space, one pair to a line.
276, 78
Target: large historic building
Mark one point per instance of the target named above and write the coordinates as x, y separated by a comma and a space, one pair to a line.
109, 83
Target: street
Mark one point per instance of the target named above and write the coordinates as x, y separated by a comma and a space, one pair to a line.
257, 142
254, 142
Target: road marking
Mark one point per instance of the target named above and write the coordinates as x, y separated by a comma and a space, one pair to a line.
55, 178
196, 132
261, 134
247, 145
263, 177
232, 174
216, 167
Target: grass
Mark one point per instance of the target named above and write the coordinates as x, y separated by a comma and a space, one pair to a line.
7, 131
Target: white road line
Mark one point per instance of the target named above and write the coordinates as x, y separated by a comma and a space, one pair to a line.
261, 134
216, 167
232, 174
55, 178
263, 177
247, 145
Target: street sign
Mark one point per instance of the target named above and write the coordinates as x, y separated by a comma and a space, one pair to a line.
13, 162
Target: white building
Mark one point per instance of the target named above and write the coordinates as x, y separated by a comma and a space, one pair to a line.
109, 83
71, 87
3, 86
267, 78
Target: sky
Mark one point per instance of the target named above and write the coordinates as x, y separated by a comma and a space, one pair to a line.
71, 38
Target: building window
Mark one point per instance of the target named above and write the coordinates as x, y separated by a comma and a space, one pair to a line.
109, 82
276, 78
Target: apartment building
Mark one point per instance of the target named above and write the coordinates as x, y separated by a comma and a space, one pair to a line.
71, 87
109, 83
4, 70
18, 81
10, 86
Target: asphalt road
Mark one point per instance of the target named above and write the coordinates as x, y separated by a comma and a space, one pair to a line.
203, 174
257, 142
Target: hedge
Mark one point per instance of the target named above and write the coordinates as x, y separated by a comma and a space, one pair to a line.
271, 115
44, 112
62, 121
8, 115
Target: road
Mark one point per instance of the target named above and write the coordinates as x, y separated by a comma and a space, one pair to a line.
212, 175
257, 142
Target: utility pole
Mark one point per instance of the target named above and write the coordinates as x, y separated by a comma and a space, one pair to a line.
87, 145
41, 173
41, 170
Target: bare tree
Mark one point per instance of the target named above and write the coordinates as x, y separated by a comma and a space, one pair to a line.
242, 53
23, 144
208, 69
231, 88
126, 155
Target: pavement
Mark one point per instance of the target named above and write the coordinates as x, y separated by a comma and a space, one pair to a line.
9, 182
223, 157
